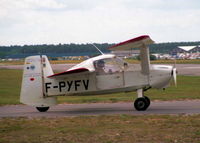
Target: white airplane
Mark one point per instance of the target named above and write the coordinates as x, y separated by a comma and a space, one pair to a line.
98, 75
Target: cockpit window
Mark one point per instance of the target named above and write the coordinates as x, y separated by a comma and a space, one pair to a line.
108, 66
100, 66
120, 62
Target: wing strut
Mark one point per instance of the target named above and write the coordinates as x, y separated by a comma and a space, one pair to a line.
145, 60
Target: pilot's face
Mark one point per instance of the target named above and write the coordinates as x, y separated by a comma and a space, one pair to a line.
100, 64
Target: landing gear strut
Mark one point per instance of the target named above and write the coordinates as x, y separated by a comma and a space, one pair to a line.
142, 102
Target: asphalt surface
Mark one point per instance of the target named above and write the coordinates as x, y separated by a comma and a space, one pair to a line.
71, 110
183, 69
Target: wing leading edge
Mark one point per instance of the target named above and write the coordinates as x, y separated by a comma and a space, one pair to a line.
137, 42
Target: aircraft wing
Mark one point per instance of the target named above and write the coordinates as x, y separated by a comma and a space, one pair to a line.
137, 42
69, 72
140, 42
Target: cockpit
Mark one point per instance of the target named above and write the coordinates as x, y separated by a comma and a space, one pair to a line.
109, 65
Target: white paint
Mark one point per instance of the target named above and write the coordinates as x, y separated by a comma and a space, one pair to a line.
32, 90
140, 93
187, 48
88, 64
37, 88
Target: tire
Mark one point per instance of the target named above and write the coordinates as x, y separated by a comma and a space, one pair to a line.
42, 109
141, 104
148, 101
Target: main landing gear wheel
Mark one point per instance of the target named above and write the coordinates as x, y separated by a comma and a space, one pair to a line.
42, 109
142, 103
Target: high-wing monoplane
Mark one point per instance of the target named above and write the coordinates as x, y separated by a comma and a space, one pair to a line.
102, 74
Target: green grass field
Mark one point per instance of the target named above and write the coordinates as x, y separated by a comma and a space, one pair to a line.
188, 88
102, 129
10, 84
178, 61
185, 61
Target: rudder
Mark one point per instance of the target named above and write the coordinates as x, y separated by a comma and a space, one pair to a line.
36, 68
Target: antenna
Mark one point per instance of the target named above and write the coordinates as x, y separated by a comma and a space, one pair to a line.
98, 49
174, 62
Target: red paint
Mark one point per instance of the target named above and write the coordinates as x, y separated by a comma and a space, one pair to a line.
79, 70
32, 79
131, 40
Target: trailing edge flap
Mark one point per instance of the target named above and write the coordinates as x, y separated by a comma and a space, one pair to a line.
69, 72
137, 42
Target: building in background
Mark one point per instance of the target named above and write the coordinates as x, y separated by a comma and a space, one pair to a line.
186, 52
126, 54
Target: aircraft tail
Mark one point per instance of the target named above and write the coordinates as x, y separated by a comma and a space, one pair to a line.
36, 69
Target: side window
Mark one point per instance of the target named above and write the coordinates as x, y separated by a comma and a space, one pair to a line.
100, 67
106, 66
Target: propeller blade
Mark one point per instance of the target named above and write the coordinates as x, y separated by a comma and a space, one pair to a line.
174, 76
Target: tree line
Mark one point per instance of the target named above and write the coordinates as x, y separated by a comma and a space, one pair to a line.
82, 48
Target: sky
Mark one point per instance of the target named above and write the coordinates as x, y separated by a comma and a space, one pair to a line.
34, 22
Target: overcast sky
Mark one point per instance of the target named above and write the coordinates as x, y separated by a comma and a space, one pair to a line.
100, 21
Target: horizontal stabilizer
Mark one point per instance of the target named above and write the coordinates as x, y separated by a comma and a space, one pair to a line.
63, 74
137, 42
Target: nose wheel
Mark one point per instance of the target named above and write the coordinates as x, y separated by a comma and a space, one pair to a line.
142, 102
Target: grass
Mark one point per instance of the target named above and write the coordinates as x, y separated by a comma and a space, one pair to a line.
21, 62
192, 61
10, 86
185, 61
66, 62
188, 88
102, 129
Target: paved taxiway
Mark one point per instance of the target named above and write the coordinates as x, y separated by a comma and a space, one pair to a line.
70, 110
183, 69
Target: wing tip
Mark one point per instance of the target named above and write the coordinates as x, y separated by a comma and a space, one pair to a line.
139, 38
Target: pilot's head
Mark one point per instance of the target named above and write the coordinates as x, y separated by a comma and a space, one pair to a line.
100, 64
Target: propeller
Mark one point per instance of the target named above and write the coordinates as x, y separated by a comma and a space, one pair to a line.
174, 72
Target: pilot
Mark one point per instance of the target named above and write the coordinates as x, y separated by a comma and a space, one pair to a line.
100, 65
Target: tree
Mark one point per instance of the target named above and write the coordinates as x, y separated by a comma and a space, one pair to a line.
153, 57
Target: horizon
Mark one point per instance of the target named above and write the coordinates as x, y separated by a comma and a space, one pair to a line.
56, 44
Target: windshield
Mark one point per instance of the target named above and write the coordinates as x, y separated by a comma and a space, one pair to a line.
120, 62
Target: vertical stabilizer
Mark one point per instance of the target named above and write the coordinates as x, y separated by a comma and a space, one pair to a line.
36, 68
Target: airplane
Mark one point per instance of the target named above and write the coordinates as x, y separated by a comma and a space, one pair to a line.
99, 75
